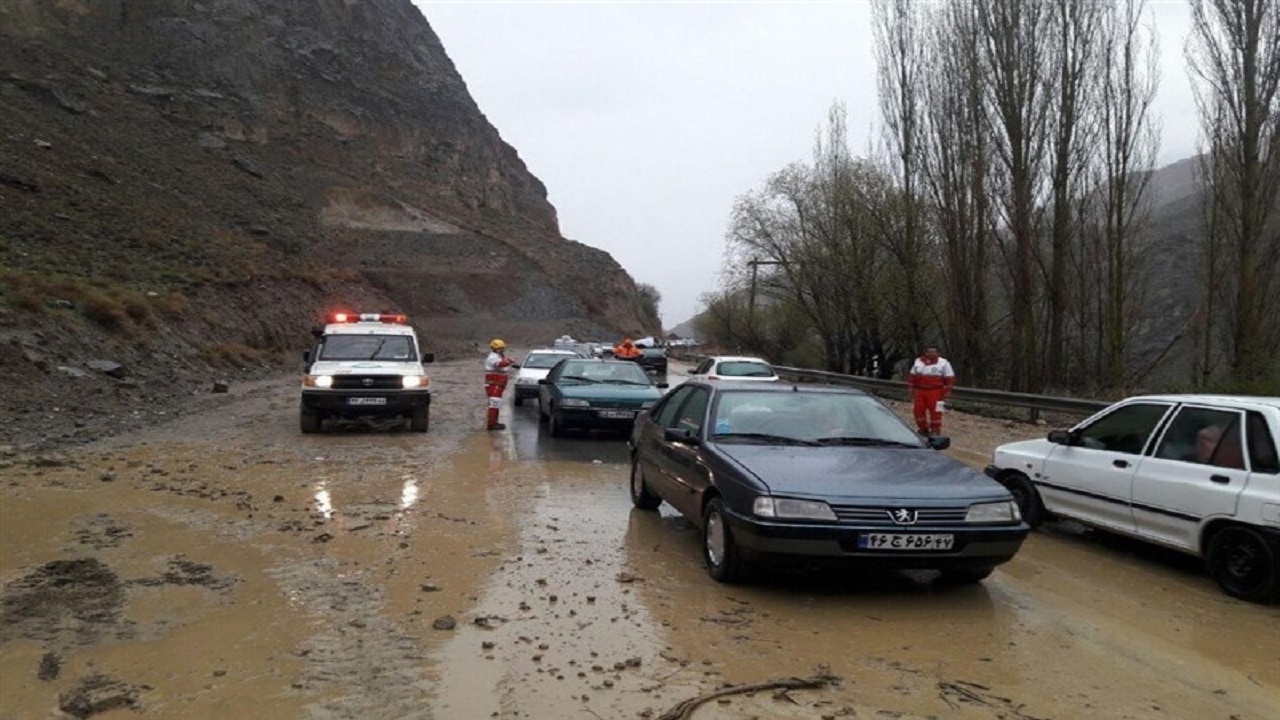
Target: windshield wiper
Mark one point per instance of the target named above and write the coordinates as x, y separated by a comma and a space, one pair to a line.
766, 437
880, 442
616, 381
377, 350
580, 378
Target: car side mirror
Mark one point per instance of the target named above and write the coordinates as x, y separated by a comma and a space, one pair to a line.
662, 385
428, 358
306, 356
939, 442
1061, 437
679, 435
543, 381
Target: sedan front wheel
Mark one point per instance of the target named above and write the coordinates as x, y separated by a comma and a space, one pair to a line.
724, 558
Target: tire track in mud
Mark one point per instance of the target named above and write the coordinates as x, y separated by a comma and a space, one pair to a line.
365, 664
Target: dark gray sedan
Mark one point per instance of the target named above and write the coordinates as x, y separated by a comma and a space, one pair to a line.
778, 471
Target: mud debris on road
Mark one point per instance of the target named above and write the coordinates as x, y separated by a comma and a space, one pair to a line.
231, 567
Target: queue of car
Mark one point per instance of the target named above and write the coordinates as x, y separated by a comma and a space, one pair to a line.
769, 471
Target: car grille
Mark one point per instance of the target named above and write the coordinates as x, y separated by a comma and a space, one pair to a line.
882, 515
367, 382
616, 404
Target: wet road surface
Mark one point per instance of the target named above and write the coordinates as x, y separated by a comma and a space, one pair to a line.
227, 566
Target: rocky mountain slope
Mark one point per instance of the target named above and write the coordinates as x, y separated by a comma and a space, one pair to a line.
188, 185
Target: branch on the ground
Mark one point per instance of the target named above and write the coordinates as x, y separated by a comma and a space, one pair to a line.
685, 707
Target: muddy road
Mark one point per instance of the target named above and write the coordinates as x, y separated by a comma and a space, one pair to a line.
226, 566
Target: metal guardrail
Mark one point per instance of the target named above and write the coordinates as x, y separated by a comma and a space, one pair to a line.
899, 390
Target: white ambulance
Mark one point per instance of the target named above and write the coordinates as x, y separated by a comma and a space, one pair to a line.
366, 365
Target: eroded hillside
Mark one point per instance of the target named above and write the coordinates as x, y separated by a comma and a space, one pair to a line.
189, 184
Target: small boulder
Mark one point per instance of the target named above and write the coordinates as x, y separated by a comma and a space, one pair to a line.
444, 622
107, 367
220, 386
210, 141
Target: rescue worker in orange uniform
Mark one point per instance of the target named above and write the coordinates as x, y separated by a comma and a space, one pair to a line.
931, 381
626, 350
495, 380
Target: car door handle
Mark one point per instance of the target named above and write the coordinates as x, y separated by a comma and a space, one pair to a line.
1120, 463
1220, 479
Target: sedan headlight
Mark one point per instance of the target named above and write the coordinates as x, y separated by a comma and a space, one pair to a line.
648, 404
792, 509
320, 381
1001, 512
415, 381
574, 402
526, 381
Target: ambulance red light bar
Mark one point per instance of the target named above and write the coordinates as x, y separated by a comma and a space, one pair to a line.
347, 317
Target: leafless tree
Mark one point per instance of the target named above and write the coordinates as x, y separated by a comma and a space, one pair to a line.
1128, 146
1015, 41
1234, 53
956, 164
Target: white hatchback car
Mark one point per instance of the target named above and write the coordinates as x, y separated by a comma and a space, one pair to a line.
534, 367
726, 367
1197, 473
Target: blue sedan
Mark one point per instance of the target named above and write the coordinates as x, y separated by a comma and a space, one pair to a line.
599, 394
781, 471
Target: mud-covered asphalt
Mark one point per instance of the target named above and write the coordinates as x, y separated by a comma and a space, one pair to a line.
226, 566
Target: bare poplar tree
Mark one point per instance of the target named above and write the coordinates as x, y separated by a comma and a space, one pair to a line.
1015, 38
956, 162
1235, 55
900, 60
1072, 60
1129, 142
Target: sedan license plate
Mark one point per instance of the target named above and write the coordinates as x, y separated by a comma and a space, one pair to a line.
895, 541
367, 401
618, 414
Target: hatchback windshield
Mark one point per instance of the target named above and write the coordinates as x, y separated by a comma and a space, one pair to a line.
822, 417
367, 347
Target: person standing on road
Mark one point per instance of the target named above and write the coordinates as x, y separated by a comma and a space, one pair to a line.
495, 380
931, 381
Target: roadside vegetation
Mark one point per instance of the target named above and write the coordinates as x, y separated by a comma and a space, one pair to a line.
1007, 213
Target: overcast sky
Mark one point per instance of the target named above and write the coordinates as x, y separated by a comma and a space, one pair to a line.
646, 119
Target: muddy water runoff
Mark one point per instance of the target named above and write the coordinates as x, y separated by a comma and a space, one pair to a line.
225, 566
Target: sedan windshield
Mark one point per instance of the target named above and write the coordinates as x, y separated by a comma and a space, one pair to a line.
741, 368
609, 372
367, 347
542, 361
823, 418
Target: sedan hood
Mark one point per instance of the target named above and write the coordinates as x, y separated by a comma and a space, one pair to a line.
856, 474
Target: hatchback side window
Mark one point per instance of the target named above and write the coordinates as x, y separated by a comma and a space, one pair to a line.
1203, 435
1125, 431
1262, 447
694, 411
665, 414
703, 368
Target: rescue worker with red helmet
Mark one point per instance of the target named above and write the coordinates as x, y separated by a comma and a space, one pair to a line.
931, 381
495, 380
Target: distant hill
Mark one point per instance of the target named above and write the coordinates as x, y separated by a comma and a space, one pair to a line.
686, 329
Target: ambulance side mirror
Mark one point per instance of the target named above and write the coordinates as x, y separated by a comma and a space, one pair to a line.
428, 358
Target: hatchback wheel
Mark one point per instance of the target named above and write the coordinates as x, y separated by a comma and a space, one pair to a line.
556, 427
641, 497
1245, 564
724, 558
